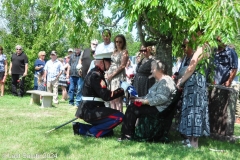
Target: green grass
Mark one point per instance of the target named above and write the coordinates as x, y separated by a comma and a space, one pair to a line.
23, 135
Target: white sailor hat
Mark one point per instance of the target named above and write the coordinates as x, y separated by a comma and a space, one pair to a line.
105, 56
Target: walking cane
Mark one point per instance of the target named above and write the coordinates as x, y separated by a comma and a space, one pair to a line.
61, 125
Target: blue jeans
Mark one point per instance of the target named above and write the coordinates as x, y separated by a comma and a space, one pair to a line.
35, 82
76, 83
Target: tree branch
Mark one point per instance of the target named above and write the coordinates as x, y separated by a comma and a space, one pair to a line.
115, 23
141, 34
150, 29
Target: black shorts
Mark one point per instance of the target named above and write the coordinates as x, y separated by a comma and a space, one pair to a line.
2, 75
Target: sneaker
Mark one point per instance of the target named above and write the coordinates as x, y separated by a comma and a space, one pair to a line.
124, 138
188, 145
75, 128
185, 141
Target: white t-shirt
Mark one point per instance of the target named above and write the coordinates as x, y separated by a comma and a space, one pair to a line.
92, 65
102, 48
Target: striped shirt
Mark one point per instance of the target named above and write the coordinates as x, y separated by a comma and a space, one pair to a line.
53, 68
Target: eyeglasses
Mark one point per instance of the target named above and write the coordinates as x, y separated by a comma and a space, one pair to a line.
43, 55
142, 50
94, 44
120, 42
19, 49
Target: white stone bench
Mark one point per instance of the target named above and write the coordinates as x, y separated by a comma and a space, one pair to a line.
46, 97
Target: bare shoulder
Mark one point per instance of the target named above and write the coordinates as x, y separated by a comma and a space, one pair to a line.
125, 52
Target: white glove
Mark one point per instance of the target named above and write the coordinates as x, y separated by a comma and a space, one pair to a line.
124, 85
79, 66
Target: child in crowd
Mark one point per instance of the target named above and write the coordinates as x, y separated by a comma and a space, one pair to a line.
63, 81
41, 84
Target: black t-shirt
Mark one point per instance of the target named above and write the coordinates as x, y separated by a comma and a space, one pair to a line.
74, 58
86, 61
18, 63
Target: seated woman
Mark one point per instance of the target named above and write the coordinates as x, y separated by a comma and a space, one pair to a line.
159, 97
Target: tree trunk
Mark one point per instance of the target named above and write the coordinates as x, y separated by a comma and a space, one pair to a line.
164, 53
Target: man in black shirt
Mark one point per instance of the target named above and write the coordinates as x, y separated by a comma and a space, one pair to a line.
18, 69
86, 59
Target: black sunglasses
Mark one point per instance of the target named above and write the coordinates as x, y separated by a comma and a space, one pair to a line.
142, 50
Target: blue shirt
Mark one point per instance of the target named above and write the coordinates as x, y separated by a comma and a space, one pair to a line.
39, 63
224, 61
3, 58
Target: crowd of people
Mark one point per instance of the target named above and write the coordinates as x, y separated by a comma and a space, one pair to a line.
90, 77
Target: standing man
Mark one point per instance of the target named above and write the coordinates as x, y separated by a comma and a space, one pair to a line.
52, 71
92, 108
75, 79
106, 46
226, 64
70, 51
18, 69
86, 58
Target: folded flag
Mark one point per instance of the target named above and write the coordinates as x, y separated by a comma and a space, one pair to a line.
132, 91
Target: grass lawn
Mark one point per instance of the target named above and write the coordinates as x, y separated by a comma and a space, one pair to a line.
23, 136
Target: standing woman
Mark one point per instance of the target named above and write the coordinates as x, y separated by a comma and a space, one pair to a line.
194, 121
116, 72
143, 79
38, 66
3, 70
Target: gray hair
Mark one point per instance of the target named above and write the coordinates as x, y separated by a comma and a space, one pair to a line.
160, 66
94, 41
18, 46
